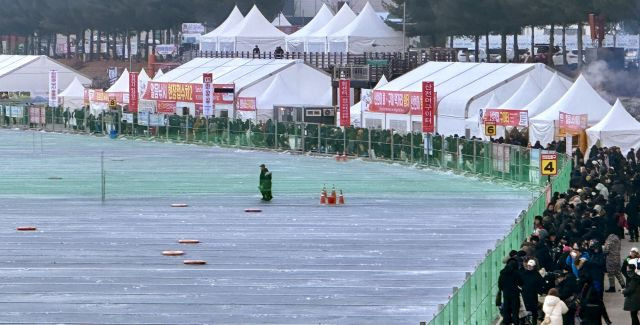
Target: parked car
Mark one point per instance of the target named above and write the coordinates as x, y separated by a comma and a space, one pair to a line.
572, 57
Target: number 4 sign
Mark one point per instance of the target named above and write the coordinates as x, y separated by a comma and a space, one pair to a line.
549, 164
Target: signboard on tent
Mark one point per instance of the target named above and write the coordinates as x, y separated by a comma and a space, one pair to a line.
247, 104
396, 102
186, 92
571, 123
345, 102
192, 28
428, 107
207, 94
112, 72
133, 91
507, 117
53, 88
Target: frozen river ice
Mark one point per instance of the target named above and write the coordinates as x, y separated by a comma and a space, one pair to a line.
389, 256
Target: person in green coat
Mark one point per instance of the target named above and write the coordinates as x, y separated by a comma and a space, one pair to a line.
265, 183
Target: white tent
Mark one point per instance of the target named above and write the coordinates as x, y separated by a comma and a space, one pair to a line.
30, 73
253, 30
317, 41
158, 75
209, 41
553, 91
366, 33
73, 96
618, 128
296, 41
121, 85
362, 104
581, 98
143, 80
280, 20
523, 96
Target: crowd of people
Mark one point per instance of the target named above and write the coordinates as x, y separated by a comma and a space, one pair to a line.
574, 243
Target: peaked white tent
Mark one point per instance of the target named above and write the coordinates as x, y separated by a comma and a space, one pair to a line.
253, 30
73, 96
121, 85
143, 80
296, 41
209, 41
553, 91
317, 41
581, 98
618, 128
362, 105
158, 75
280, 20
523, 96
366, 33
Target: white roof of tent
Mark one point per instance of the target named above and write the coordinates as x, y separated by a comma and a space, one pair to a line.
462, 88
143, 80
617, 128
527, 92
209, 40
553, 91
323, 17
367, 32
280, 20
75, 89
473, 123
253, 30
30, 73
278, 93
122, 84
158, 75
581, 98
357, 107
343, 18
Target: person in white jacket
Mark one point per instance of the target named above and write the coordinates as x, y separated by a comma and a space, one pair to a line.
554, 308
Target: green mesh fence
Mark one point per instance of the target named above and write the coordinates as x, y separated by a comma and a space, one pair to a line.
473, 302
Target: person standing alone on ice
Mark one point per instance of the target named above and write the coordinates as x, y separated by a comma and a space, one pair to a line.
265, 183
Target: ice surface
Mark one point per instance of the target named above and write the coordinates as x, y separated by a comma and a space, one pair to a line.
390, 256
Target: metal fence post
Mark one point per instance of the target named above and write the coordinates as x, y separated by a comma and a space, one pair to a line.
442, 151
369, 143
276, 135
319, 138
303, 131
411, 147
206, 136
344, 139
392, 151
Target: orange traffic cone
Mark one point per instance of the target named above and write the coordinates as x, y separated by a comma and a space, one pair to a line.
341, 198
332, 198
323, 196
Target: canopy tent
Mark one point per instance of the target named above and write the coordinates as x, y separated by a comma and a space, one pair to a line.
464, 88
209, 41
121, 85
581, 98
363, 102
29, 74
280, 20
527, 92
143, 80
473, 124
366, 33
296, 41
317, 41
253, 30
553, 91
299, 83
73, 96
158, 75
618, 128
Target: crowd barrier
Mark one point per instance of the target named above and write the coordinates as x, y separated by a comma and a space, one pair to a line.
473, 302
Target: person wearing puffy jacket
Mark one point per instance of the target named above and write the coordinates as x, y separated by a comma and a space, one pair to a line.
553, 307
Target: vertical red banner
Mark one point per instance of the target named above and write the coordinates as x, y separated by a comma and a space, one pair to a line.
428, 107
133, 92
345, 101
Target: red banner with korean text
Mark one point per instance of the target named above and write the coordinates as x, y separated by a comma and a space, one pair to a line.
572, 123
345, 102
133, 92
428, 107
246, 103
100, 96
164, 107
507, 117
396, 102
186, 92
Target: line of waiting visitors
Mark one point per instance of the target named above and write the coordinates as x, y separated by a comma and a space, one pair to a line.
575, 243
